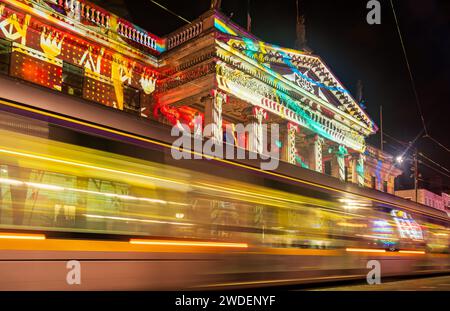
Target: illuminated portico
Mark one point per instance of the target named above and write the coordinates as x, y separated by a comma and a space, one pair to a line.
320, 122
210, 72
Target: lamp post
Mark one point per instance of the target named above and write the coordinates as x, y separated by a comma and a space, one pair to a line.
415, 162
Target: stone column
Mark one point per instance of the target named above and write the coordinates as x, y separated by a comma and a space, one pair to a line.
315, 153
289, 149
338, 162
213, 115
198, 126
359, 170
256, 137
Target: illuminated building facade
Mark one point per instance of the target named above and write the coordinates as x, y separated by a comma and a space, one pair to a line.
210, 71
427, 198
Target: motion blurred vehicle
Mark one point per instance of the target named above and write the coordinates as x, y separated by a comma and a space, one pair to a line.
137, 219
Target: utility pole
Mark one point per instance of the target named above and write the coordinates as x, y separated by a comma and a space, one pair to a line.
416, 173
381, 128
216, 4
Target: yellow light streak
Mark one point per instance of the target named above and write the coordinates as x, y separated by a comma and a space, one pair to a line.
188, 243
138, 220
244, 193
366, 250
412, 252
377, 237
22, 236
440, 234
83, 165
10, 182
347, 224
45, 186
107, 194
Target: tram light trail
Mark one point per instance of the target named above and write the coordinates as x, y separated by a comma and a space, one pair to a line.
188, 243
411, 252
21, 236
365, 250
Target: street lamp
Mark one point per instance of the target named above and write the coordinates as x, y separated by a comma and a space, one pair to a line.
399, 159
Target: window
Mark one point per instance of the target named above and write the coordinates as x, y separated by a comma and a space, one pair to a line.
131, 98
72, 79
347, 175
5, 56
385, 186
374, 182
328, 167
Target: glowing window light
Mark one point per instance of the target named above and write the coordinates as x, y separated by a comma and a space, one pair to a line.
188, 243
22, 236
366, 250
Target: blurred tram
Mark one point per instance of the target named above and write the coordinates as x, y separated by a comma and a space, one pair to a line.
137, 219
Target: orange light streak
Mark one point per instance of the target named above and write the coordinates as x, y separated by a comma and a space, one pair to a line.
188, 243
22, 236
412, 252
366, 250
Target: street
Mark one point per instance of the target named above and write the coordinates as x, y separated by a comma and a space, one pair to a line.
441, 283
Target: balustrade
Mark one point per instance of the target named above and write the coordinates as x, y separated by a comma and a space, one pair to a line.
83, 10
184, 35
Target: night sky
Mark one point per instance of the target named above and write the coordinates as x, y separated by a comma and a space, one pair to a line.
338, 32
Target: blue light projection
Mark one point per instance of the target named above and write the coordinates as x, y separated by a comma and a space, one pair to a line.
252, 49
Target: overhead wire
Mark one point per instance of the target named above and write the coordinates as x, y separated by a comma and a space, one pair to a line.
429, 166
437, 142
416, 95
171, 12
435, 163
422, 155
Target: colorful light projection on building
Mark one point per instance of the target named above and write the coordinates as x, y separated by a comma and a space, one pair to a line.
253, 50
41, 49
407, 226
222, 27
177, 115
265, 88
275, 59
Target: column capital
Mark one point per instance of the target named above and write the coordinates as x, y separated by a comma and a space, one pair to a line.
216, 93
260, 113
315, 138
293, 127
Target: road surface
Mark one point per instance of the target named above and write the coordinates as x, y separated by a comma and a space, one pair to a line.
441, 283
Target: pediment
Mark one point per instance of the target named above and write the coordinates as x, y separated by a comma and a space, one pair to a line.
305, 71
